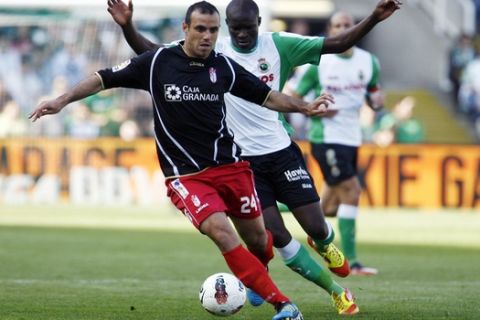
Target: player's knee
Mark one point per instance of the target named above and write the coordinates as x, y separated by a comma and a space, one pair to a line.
317, 231
330, 210
221, 233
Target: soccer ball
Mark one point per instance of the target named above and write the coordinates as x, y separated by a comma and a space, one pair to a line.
222, 294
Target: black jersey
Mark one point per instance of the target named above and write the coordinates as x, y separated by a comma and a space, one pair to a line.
189, 110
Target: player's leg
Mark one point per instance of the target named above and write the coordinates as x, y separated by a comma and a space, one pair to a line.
330, 201
348, 192
341, 196
293, 185
242, 262
237, 189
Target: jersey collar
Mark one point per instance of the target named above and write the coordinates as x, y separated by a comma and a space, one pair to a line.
244, 51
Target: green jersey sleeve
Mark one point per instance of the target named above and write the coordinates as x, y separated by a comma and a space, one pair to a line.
296, 50
309, 81
375, 74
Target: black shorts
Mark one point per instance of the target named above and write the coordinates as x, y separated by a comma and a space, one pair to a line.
282, 176
337, 162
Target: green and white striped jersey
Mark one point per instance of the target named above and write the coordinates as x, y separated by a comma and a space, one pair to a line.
348, 79
260, 131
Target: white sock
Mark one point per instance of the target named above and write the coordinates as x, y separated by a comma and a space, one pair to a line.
290, 250
347, 211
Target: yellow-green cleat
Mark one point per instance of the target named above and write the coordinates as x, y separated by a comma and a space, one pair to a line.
337, 263
345, 303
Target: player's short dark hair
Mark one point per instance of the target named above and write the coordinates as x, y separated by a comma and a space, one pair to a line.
243, 6
203, 7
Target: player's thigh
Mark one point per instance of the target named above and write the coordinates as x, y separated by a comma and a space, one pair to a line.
195, 198
235, 185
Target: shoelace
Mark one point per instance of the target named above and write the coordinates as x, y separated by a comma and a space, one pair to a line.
338, 302
333, 255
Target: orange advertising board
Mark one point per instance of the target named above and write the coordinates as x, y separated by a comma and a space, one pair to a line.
410, 176
415, 176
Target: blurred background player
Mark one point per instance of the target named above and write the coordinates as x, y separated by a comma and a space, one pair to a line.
205, 178
264, 140
350, 77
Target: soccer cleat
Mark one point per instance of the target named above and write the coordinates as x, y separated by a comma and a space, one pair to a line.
254, 299
360, 270
345, 303
334, 258
288, 311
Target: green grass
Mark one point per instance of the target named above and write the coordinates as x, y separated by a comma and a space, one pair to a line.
149, 264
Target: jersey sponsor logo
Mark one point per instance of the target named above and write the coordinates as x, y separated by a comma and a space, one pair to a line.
267, 77
350, 87
180, 188
213, 74
196, 201
174, 93
121, 66
196, 64
263, 66
297, 174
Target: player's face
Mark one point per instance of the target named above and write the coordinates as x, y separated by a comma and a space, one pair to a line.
339, 23
243, 29
201, 34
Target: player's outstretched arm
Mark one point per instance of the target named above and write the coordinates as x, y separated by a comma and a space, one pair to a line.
83, 89
348, 38
283, 103
122, 14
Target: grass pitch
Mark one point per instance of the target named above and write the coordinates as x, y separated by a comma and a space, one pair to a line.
134, 263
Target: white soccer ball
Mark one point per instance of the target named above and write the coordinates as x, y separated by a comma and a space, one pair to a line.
222, 294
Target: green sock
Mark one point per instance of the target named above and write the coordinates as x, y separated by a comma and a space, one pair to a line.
310, 269
346, 227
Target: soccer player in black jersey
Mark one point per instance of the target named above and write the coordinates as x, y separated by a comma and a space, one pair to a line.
277, 162
205, 177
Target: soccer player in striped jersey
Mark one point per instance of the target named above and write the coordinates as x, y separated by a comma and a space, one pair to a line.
352, 77
278, 165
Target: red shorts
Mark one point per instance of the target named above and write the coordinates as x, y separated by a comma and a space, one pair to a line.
226, 188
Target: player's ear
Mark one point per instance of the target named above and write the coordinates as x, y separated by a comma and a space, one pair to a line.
259, 20
184, 26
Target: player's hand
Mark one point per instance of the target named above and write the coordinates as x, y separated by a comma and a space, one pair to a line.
385, 8
120, 12
44, 108
319, 106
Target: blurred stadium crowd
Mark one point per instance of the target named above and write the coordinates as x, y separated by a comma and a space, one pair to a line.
464, 73
42, 60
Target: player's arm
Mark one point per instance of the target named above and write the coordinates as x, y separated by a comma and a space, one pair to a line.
133, 73
348, 38
309, 80
83, 89
122, 14
375, 98
247, 86
283, 103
